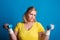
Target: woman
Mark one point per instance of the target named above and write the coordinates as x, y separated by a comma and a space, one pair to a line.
29, 29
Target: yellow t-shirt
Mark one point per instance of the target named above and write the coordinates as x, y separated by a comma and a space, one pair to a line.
31, 34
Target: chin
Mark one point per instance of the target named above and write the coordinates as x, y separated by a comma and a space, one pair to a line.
31, 20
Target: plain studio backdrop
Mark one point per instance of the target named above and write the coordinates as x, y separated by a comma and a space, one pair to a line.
12, 11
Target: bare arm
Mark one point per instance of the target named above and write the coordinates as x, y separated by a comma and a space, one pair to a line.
46, 35
43, 36
12, 35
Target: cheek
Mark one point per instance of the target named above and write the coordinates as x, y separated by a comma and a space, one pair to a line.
29, 16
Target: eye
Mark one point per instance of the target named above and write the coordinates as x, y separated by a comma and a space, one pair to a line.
31, 14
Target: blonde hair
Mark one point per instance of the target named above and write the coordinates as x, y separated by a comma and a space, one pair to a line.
26, 14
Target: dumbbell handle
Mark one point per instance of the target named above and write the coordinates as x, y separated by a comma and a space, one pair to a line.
10, 26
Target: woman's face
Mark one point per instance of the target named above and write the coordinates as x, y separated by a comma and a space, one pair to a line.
31, 15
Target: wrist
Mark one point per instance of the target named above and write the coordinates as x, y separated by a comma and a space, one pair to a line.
48, 32
10, 31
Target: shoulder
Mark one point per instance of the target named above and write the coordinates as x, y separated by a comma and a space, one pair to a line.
20, 23
39, 23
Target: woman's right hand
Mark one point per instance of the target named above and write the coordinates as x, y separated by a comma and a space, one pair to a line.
6, 26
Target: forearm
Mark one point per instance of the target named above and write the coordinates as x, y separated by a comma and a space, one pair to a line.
12, 35
44, 36
47, 35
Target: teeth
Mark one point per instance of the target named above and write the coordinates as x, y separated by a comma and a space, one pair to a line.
52, 26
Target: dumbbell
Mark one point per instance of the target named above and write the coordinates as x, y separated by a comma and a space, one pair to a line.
50, 27
7, 26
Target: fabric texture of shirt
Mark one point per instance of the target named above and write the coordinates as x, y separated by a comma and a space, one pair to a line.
31, 34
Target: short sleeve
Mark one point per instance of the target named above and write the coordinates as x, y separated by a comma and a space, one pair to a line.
17, 27
40, 27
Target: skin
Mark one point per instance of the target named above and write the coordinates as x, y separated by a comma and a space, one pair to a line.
31, 16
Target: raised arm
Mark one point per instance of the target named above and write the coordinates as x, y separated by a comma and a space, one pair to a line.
12, 34
46, 35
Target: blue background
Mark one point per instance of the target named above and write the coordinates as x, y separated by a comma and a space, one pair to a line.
12, 11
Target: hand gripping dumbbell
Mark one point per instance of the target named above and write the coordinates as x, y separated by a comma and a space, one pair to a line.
8, 27
49, 28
